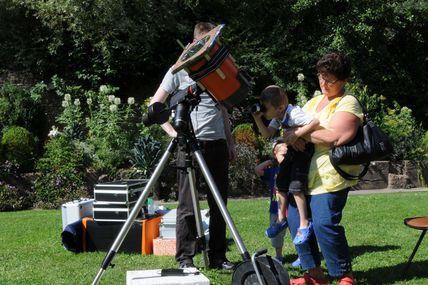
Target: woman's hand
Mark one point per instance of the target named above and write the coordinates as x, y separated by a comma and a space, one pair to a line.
290, 136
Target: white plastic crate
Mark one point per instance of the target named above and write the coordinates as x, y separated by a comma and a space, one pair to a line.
75, 210
168, 224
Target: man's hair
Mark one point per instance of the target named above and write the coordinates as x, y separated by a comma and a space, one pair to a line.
274, 95
202, 28
336, 63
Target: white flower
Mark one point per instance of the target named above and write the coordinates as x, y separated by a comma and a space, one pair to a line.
103, 89
67, 97
54, 132
111, 98
317, 93
117, 101
87, 120
77, 102
113, 108
65, 104
131, 100
89, 101
300, 77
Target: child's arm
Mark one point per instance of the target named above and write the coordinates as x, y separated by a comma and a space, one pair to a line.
306, 129
260, 168
266, 132
291, 135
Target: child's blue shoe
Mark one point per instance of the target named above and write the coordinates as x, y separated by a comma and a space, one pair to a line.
296, 263
275, 229
303, 234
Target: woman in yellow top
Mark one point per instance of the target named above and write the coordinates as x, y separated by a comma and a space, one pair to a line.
340, 117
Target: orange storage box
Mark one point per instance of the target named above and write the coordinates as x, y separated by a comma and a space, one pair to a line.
99, 236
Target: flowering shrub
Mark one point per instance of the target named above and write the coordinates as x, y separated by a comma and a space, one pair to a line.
299, 89
104, 126
10, 199
242, 178
112, 129
244, 133
60, 176
15, 192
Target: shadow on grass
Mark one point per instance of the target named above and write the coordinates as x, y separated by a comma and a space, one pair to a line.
355, 251
362, 249
391, 274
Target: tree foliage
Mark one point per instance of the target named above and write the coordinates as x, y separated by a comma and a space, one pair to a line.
124, 41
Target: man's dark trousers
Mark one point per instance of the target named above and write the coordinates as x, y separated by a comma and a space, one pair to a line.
216, 156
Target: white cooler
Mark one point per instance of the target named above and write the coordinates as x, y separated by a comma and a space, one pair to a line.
168, 224
76, 210
153, 277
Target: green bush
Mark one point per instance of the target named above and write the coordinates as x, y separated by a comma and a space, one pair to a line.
398, 122
405, 133
18, 146
60, 174
20, 106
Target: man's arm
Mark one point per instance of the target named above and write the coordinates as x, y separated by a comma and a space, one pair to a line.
266, 132
160, 96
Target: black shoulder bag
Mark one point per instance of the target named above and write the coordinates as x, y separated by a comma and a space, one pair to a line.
369, 144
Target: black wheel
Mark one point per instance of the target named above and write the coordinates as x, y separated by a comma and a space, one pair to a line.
272, 272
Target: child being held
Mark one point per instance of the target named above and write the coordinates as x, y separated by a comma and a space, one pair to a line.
293, 170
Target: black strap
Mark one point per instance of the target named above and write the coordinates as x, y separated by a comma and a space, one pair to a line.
212, 65
348, 176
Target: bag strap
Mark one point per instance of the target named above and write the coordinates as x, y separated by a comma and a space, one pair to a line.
339, 170
348, 176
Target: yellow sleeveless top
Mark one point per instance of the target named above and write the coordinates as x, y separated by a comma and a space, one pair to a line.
323, 178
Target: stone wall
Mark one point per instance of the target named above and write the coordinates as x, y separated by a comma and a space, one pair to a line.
392, 175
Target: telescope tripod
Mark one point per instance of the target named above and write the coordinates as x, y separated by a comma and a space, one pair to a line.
192, 148
255, 270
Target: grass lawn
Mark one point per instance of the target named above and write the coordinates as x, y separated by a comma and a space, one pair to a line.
31, 250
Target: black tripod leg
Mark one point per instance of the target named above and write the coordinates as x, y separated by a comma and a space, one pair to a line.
197, 212
222, 207
134, 213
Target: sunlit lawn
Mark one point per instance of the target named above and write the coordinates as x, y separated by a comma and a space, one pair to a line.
31, 250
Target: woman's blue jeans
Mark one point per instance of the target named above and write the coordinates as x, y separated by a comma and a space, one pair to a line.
326, 213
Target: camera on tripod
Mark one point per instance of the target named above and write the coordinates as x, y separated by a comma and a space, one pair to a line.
181, 102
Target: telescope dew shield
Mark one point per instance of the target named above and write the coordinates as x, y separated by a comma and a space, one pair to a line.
210, 64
